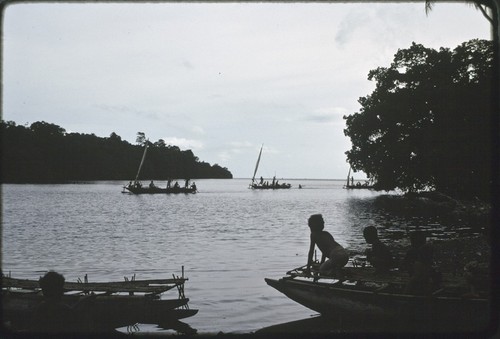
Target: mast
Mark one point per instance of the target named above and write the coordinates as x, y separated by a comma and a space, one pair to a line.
142, 161
257, 164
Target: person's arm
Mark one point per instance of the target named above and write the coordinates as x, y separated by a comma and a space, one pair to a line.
310, 254
368, 253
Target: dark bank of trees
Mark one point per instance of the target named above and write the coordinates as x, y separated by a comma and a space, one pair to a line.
428, 123
44, 152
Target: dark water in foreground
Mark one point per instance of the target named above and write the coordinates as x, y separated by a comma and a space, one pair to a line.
227, 237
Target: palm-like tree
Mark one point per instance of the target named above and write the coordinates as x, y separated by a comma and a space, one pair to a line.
490, 10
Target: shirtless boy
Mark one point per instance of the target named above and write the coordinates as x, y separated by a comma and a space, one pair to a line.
336, 254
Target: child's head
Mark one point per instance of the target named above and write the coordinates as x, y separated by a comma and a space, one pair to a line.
52, 284
370, 234
316, 223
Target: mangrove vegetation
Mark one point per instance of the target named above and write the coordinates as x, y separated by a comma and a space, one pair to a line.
428, 123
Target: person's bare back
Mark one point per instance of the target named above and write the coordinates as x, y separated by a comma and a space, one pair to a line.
336, 254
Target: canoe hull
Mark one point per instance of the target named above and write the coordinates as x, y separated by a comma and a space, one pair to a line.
440, 313
357, 187
261, 187
157, 190
106, 312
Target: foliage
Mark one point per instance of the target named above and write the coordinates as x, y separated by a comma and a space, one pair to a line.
44, 152
427, 123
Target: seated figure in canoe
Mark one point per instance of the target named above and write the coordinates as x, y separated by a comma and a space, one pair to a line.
419, 265
336, 254
53, 315
379, 256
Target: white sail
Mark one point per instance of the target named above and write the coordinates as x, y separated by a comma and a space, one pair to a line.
142, 161
257, 164
348, 176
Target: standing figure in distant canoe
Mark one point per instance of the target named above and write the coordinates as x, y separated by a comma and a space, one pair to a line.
379, 255
336, 254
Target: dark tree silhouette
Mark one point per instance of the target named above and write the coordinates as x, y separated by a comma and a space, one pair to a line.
44, 152
427, 123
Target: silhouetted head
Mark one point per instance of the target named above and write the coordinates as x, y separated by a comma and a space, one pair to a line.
370, 234
52, 284
316, 223
417, 238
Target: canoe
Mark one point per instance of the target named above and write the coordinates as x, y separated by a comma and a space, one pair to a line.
270, 187
260, 186
158, 190
154, 286
363, 294
137, 188
107, 312
108, 305
356, 187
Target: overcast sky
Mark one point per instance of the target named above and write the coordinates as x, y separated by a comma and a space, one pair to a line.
219, 79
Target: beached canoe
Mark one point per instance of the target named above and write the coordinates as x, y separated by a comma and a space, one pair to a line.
154, 286
108, 305
364, 294
106, 311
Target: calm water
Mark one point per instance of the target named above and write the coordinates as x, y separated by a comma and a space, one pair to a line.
227, 237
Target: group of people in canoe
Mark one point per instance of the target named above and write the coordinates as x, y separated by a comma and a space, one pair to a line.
418, 261
175, 186
266, 184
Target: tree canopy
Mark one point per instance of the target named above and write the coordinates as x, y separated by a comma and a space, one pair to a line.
427, 123
44, 152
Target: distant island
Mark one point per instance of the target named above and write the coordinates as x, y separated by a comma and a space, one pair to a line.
44, 152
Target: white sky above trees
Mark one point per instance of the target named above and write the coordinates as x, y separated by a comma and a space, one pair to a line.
217, 78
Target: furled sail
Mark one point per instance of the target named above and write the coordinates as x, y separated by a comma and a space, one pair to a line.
348, 176
257, 164
142, 161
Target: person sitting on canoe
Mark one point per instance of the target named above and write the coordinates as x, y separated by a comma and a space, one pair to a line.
53, 315
336, 254
419, 265
476, 276
152, 184
379, 255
